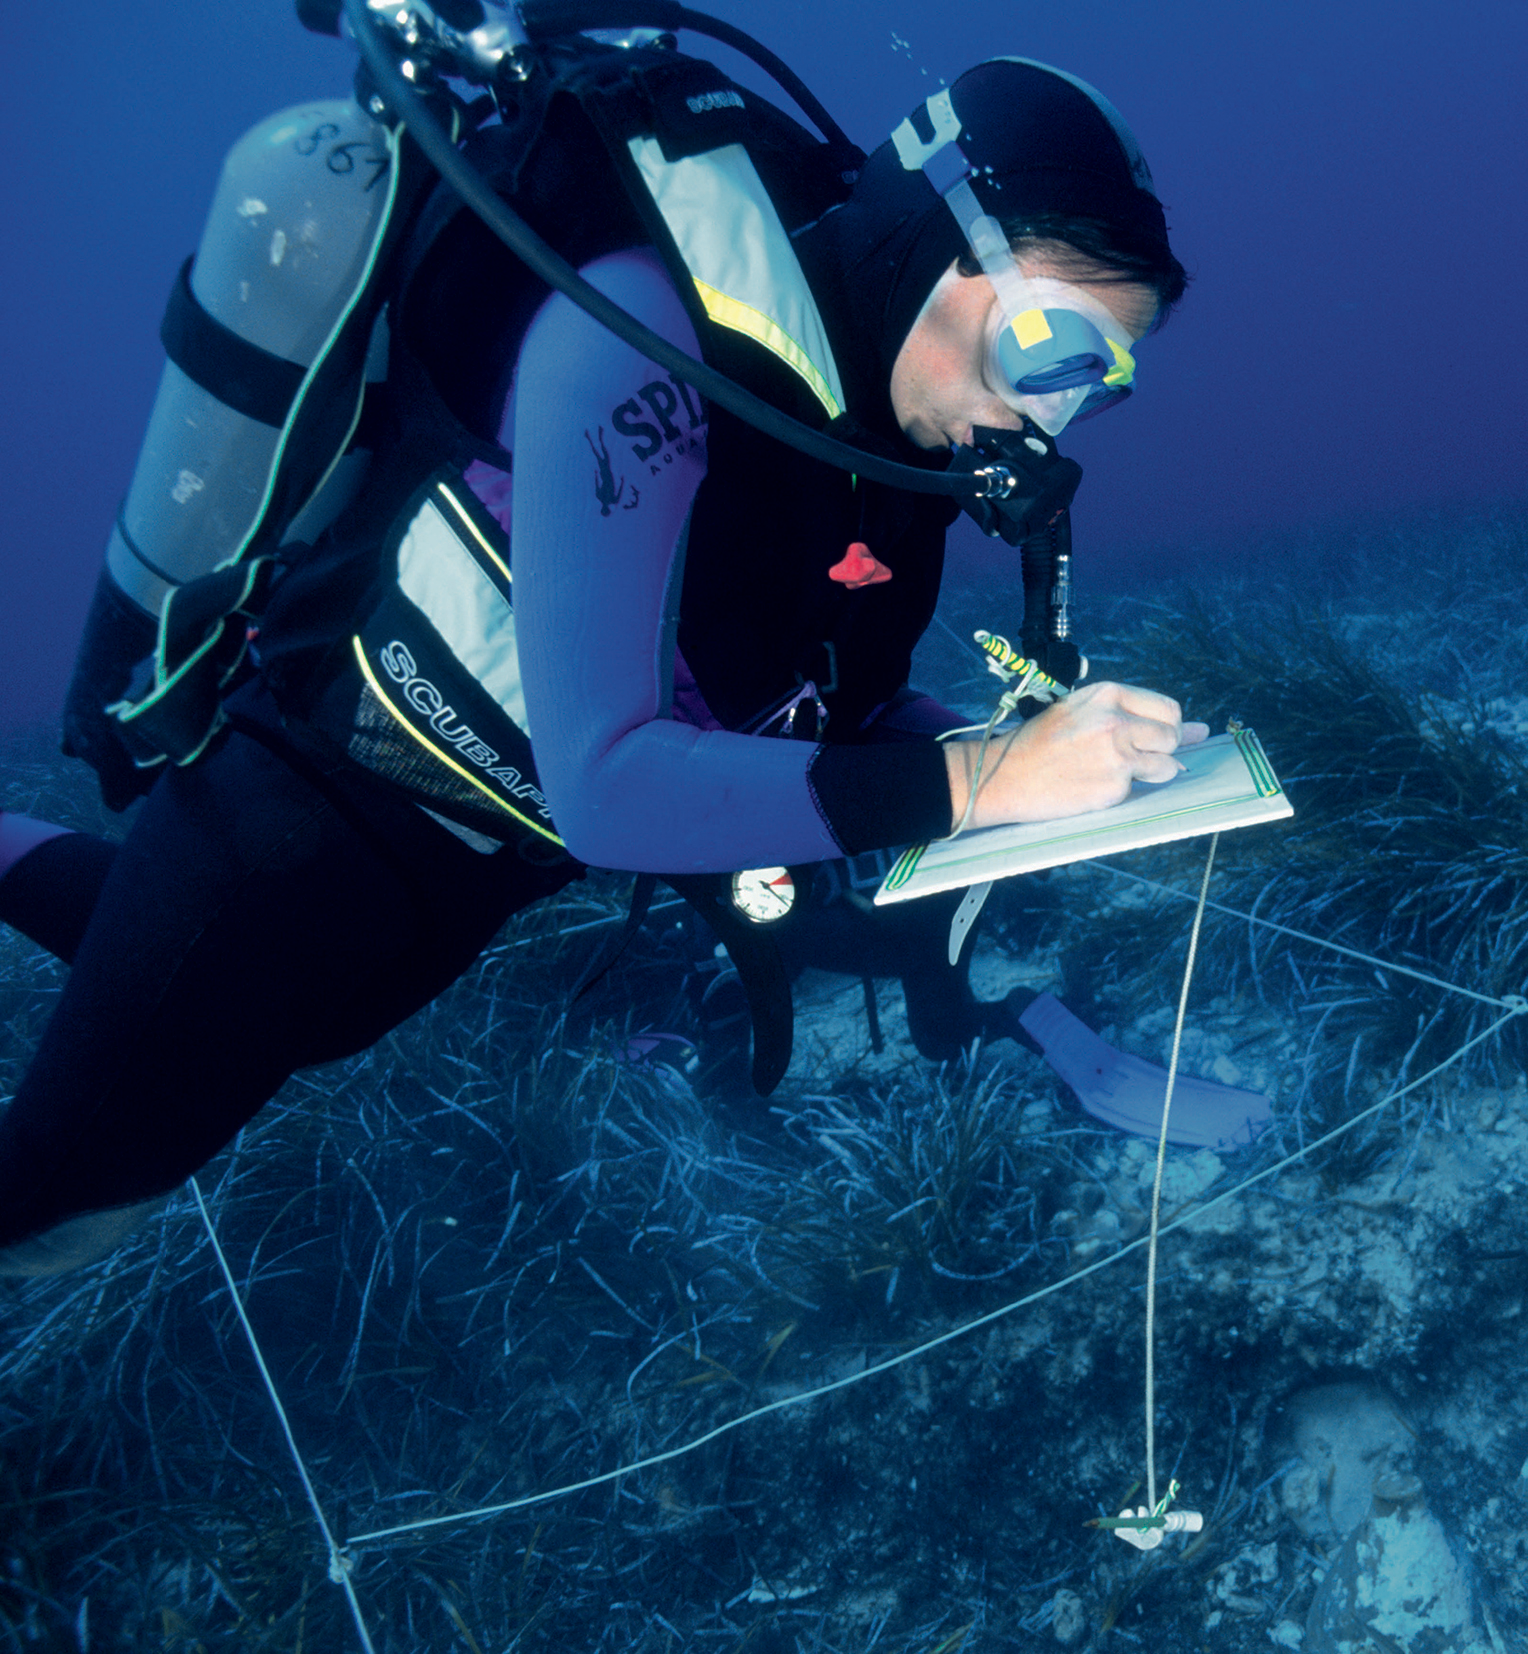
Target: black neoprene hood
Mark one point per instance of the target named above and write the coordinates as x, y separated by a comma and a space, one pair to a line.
1039, 140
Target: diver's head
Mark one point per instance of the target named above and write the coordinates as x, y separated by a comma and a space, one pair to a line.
1013, 211
948, 376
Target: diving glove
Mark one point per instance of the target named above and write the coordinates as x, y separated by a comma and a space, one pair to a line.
119, 637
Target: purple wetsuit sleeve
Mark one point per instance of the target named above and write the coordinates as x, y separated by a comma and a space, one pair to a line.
912, 714
609, 452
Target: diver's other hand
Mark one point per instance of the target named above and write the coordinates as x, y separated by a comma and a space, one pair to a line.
118, 643
1083, 753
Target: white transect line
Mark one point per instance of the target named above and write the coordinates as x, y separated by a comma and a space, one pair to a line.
339, 1563
1513, 1006
482, 1513
1156, 1186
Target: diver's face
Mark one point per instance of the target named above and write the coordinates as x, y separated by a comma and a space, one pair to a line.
940, 380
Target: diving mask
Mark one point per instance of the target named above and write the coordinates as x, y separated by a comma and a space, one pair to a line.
1058, 354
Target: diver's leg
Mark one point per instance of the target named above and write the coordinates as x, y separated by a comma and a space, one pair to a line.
20, 835
246, 928
943, 1016
50, 878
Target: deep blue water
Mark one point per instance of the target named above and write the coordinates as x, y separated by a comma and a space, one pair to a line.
1344, 181
467, 1247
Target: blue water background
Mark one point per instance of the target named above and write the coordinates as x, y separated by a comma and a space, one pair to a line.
1344, 181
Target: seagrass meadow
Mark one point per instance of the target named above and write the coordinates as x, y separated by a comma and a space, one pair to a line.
524, 1242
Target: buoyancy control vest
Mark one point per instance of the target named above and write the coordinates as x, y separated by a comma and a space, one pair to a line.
392, 640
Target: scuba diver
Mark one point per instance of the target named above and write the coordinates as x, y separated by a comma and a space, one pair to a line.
513, 584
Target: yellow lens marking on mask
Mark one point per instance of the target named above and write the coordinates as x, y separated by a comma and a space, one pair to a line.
1123, 371
1030, 328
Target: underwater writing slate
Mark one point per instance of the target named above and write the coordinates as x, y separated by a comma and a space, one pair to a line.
1226, 782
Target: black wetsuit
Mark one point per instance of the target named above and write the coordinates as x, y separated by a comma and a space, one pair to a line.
260, 918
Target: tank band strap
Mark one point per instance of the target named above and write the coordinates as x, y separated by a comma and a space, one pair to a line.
241, 375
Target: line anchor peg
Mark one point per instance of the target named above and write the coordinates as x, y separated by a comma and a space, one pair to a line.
1147, 1534
1144, 1527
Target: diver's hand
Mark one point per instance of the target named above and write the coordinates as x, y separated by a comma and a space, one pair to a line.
1080, 754
119, 638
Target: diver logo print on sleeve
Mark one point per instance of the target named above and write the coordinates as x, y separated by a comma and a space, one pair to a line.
664, 420
607, 490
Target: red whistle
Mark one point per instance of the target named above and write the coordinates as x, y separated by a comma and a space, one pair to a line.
859, 568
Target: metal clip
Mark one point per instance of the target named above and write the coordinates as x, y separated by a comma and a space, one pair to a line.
1144, 1528
997, 482
787, 713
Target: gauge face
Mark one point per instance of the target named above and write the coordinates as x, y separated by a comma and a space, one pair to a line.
764, 894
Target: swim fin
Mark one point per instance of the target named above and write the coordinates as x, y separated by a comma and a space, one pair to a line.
1127, 1092
20, 835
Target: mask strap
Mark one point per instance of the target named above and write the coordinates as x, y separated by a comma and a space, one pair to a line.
944, 163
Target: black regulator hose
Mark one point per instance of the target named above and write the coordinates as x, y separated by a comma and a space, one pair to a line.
555, 270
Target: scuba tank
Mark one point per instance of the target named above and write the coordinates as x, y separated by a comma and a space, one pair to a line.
288, 238
290, 244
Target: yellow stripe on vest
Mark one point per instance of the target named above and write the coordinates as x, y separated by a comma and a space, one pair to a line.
740, 257
743, 318
470, 527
